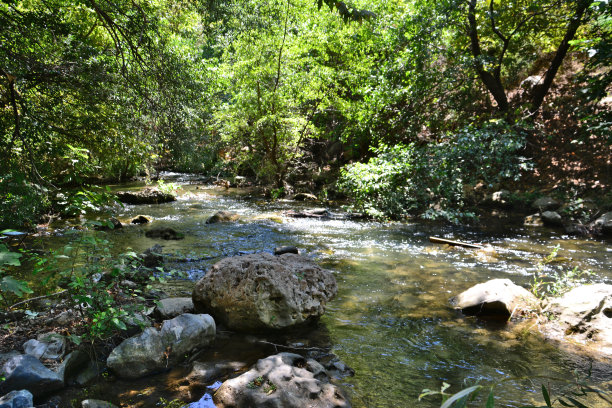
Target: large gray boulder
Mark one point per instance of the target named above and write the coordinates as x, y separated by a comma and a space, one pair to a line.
283, 380
26, 372
263, 291
155, 350
17, 399
495, 299
582, 315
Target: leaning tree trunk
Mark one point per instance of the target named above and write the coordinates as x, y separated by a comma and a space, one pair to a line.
540, 91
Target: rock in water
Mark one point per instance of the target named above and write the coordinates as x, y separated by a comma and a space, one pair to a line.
283, 380
582, 315
26, 372
552, 218
263, 291
140, 219
286, 250
146, 196
139, 355
222, 216
495, 299
93, 403
164, 233
17, 399
153, 350
545, 204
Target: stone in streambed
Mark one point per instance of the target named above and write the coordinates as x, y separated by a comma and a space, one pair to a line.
145, 196
583, 316
222, 216
49, 346
263, 291
94, 403
283, 380
17, 399
495, 299
155, 350
171, 307
27, 372
164, 233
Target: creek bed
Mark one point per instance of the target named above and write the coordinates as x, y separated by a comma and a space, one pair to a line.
391, 321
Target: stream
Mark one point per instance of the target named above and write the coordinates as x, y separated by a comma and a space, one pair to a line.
390, 321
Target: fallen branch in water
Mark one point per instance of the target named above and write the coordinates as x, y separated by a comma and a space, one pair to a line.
436, 240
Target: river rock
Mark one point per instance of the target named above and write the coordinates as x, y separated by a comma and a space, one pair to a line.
187, 332
94, 403
72, 365
317, 213
495, 299
154, 350
283, 380
164, 233
552, 218
50, 346
603, 224
207, 372
286, 250
500, 199
534, 220
583, 315
152, 257
146, 196
305, 197
171, 307
17, 399
263, 291
139, 355
27, 372
140, 219
545, 204
222, 216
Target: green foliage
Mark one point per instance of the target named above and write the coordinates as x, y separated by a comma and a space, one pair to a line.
429, 180
8, 284
549, 281
96, 281
21, 201
167, 188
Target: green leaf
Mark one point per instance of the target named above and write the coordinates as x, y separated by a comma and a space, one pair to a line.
491, 400
9, 258
118, 323
546, 396
10, 284
576, 403
459, 395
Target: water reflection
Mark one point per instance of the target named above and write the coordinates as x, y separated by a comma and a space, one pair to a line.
390, 321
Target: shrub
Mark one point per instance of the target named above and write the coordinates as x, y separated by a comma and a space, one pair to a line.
405, 180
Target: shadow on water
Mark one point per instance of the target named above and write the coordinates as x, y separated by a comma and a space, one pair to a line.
390, 321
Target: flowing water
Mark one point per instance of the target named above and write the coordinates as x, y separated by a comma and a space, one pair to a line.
391, 320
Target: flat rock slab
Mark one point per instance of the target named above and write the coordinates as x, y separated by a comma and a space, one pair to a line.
25, 372
146, 196
263, 291
164, 233
497, 299
283, 380
583, 315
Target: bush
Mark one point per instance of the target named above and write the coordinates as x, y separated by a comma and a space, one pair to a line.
21, 201
406, 180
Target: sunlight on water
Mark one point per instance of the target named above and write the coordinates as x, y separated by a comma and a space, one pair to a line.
391, 320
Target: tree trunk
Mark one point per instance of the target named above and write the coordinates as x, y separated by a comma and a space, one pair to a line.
490, 81
540, 91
